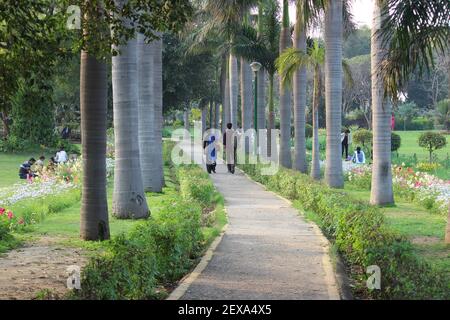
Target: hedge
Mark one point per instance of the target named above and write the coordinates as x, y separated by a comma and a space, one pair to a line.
157, 252
361, 236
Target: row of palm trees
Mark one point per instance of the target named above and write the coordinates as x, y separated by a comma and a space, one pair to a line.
227, 33
390, 69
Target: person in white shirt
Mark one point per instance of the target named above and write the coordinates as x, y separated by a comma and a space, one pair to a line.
61, 156
359, 157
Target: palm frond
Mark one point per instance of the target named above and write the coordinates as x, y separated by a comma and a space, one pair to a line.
290, 61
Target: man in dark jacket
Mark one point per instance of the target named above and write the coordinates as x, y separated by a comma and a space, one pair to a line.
25, 169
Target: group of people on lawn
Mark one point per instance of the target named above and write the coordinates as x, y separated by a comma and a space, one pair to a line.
210, 149
31, 168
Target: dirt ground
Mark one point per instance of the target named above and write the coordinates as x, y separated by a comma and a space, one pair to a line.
37, 268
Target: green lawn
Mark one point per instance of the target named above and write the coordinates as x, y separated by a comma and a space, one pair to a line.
410, 146
425, 230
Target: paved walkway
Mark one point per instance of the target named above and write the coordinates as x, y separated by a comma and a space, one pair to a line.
268, 251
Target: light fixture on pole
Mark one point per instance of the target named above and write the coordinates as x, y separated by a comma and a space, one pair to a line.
256, 66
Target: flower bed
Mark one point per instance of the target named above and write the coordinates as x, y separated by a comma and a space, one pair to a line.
426, 189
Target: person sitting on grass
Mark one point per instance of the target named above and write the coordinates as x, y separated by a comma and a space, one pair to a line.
61, 156
25, 169
51, 165
40, 163
359, 157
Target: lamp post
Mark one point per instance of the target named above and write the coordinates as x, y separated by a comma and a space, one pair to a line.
256, 66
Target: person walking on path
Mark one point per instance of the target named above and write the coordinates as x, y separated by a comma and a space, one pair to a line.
209, 145
230, 146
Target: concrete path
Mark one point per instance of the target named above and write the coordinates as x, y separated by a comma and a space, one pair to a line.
267, 252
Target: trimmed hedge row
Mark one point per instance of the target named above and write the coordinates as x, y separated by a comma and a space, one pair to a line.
362, 237
157, 252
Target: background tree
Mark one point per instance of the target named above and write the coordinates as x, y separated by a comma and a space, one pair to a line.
443, 114
432, 141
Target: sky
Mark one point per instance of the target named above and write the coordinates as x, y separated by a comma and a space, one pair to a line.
361, 9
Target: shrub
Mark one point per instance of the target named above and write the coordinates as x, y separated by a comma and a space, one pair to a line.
308, 131
428, 167
432, 141
396, 141
363, 138
156, 252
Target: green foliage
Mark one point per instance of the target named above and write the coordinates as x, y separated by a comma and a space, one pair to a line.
308, 131
363, 138
432, 141
361, 236
157, 252
32, 113
443, 113
396, 141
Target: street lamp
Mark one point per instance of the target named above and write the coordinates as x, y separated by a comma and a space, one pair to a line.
256, 66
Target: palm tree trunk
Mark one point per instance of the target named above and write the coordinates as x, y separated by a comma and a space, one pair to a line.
94, 223
381, 192
300, 83
217, 115
147, 136
158, 119
271, 116
186, 122
333, 91
128, 198
246, 95
261, 112
234, 84
203, 107
285, 97
226, 108
315, 167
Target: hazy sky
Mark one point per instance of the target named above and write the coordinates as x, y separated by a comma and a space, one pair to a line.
362, 12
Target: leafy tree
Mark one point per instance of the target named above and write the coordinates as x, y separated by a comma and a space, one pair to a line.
363, 138
357, 43
432, 141
407, 111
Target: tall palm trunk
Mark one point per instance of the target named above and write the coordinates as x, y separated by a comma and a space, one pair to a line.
285, 97
128, 198
271, 124
447, 231
203, 108
300, 83
381, 192
246, 95
333, 91
315, 167
261, 97
234, 85
147, 136
94, 223
217, 115
158, 118
226, 116
261, 112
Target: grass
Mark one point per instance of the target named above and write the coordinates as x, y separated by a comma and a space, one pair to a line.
410, 146
425, 230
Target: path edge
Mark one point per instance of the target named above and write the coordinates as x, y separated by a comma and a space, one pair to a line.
186, 282
335, 271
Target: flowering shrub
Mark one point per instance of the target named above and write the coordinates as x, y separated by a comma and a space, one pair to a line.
9, 222
428, 190
428, 167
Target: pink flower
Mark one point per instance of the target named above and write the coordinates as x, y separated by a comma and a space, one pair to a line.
2, 211
10, 215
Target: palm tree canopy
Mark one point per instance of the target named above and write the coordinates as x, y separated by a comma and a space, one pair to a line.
413, 30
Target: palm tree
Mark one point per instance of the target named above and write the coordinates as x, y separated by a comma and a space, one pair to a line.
333, 91
94, 223
128, 197
381, 191
261, 98
246, 94
285, 96
158, 118
300, 83
292, 60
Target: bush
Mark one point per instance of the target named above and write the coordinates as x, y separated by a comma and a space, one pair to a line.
361, 236
432, 141
396, 141
308, 131
157, 252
